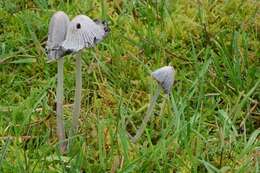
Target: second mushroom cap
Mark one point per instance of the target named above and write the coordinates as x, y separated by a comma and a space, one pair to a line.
83, 32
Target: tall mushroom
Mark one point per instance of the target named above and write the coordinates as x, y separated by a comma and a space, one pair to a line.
83, 32
56, 35
165, 78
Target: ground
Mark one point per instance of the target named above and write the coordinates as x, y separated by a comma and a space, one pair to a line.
209, 122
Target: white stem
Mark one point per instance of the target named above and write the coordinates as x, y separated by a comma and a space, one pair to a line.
76, 109
59, 106
147, 116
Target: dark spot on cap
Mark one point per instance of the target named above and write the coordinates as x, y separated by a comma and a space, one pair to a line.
78, 26
95, 40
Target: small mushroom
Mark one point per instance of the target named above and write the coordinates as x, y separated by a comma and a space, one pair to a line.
83, 32
56, 35
165, 78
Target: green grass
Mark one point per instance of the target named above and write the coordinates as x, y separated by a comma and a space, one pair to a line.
210, 122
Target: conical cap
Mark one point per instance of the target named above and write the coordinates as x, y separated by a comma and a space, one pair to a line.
165, 77
56, 35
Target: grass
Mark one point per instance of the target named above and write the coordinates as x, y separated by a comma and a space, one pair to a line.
210, 122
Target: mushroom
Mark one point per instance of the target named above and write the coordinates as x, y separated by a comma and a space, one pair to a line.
56, 35
83, 32
165, 78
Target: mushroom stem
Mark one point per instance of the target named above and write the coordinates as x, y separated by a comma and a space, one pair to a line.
59, 107
76, 109
147, 116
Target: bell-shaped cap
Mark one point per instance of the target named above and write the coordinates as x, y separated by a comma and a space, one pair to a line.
56, 35
165, 77
83, 32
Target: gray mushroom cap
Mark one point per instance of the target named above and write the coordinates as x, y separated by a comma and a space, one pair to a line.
165, 77
83, 32
56, 35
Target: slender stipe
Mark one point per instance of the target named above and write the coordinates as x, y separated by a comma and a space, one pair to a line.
77, 100
147, 117
59, 107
